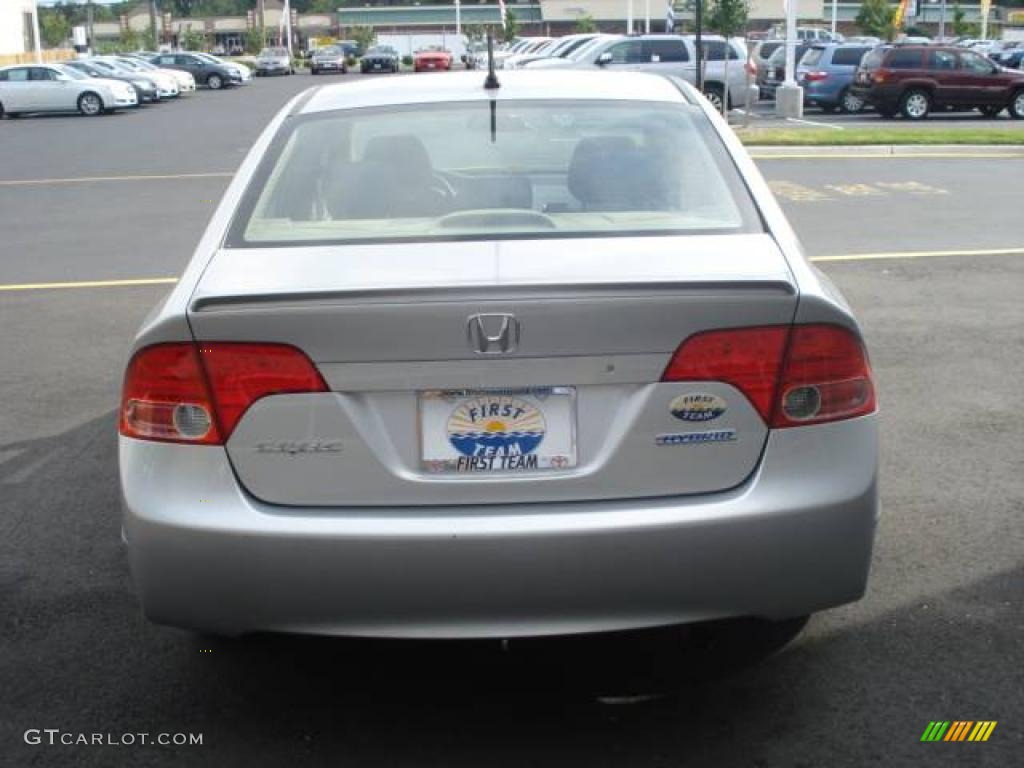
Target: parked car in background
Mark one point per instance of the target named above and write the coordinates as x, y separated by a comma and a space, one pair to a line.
775, 72
561, 48
183, 81
760, 56
669, 55
523, 45
816, 35
274, 61
213, 75
351, 48
1004, 51
1014, 59
331, 58
380, 58
244, 69
53, 88
868, 40
542, 50
917, 80
146, 88
826, 74
432, 58
167, 84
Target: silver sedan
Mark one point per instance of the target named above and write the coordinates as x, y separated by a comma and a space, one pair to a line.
55, 88
453, 361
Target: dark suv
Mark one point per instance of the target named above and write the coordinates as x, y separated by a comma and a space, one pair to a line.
916, 79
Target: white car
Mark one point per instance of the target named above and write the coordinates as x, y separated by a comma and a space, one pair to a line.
167, 86
558, 48
521, 46
53, 88
183, 80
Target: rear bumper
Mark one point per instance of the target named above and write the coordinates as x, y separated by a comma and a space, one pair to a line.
795, 538
878, 97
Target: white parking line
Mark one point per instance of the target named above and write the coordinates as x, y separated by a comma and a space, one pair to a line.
814, 123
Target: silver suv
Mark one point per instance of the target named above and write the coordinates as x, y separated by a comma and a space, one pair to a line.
670, 55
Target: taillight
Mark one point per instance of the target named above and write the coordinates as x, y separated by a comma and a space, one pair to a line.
879, 75
814, 77
826, 377
807, 375
190, 393
748, 358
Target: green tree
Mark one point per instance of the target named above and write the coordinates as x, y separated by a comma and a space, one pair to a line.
474, 33
54, 28
585, 24
130, 40
365, 37
729, 19
253, 41
511, 31
961, 28
192, 40
876, 18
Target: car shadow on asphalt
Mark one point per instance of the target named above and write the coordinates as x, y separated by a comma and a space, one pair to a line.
847, 692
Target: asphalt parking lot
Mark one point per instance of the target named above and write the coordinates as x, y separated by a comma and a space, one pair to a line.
929, 251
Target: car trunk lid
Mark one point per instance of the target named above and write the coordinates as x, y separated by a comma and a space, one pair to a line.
570, 353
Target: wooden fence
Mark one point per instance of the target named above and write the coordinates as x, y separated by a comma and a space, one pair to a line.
50, 54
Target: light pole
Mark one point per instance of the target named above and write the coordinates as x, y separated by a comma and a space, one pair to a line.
35, 32
835, 16
789, 98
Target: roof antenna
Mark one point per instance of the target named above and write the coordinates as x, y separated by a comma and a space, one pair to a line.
491, 83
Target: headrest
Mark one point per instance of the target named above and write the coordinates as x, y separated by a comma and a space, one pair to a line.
611, 173
404, 152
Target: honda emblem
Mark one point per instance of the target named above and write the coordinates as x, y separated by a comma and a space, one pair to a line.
492, 334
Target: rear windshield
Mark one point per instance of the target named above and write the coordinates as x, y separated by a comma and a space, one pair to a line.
812, 57
848, 57
874, 59
463, 171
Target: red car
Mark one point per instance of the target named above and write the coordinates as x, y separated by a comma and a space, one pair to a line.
432, 58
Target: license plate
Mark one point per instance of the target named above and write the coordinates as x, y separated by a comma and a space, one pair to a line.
496, 431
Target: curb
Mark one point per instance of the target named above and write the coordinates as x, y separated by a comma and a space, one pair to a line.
887, 150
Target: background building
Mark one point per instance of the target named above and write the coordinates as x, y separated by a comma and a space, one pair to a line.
16, 36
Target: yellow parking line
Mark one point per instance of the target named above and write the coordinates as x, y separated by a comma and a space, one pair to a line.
920, 254
870, 156
85, 179
90, 284
836, 257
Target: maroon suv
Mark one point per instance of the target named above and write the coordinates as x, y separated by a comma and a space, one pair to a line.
916, 79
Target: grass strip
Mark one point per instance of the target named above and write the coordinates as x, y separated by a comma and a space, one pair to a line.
855, 137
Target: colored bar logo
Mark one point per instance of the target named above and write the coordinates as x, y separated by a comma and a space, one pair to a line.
958, 730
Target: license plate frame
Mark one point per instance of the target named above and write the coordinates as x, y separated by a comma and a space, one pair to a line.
533, 429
